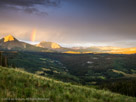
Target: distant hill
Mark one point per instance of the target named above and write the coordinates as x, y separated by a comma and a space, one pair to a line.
54, 47
49, 45
11, 43
105, 49
16, 84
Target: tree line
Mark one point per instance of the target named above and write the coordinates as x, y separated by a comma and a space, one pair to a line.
3, 60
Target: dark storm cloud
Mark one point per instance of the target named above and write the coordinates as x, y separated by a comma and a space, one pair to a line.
29, 2
32, 10
28, 5
106, 7
109, 17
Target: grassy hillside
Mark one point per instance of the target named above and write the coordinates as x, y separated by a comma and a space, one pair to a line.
16, 83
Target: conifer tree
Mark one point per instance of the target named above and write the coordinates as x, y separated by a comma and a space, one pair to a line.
0, 58
4, 61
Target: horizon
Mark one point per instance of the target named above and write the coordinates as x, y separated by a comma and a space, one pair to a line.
67, 45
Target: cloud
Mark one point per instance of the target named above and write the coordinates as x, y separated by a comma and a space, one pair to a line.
32, 10
29, 2
29, 6
76, 21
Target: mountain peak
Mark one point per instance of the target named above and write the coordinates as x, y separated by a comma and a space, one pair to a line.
9, 38
55, 45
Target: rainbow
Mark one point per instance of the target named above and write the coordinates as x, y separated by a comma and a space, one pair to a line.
33, 35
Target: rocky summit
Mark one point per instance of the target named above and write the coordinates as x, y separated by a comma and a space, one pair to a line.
9, 38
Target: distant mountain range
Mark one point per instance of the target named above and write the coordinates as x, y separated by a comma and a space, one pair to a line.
11, 43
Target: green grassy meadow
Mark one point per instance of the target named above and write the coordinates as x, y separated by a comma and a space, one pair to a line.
15, 83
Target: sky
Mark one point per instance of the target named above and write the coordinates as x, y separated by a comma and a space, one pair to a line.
70, 22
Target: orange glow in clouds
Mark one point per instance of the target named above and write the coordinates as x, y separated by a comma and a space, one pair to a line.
33, 35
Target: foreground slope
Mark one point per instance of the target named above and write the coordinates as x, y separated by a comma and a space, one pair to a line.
16, 83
